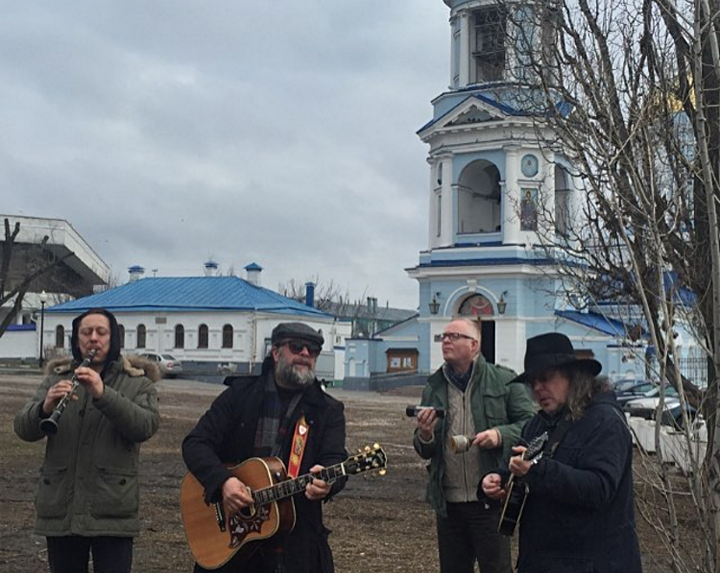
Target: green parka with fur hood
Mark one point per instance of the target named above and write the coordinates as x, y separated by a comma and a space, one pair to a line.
89, 482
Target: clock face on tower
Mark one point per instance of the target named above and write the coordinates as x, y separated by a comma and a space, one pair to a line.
529, 165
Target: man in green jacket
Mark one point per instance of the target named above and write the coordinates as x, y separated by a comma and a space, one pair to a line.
87, 498
487, 414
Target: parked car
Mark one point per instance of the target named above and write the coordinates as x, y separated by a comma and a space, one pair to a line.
647, 407
169, 365
637, 390
624, 384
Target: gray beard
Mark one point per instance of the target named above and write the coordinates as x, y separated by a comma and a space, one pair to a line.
292, 377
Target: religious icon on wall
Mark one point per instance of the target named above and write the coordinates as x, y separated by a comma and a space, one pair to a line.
528, 210
476, 305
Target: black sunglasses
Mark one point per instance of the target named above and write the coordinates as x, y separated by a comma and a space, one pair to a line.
296, 347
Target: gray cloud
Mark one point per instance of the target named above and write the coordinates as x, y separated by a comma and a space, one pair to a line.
281, 133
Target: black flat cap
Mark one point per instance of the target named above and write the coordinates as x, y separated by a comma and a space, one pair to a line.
296, 331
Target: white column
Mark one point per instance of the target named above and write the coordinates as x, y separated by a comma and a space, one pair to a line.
464, 63
547, 193
432, 210
511, 197
446, 231
437, 325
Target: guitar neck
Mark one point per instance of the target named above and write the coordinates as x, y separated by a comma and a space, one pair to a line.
291, 487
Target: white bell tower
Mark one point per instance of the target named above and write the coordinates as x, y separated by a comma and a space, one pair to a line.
492, 182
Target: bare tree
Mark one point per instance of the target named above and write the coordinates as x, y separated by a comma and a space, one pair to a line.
625, 96
331, 298
37, 264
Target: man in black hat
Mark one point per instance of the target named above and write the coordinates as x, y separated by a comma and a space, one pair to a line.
578, 514
87, 496
283, 408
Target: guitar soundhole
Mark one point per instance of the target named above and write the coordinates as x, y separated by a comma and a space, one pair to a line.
248, 512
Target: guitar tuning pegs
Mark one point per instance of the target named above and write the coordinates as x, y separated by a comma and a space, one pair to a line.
367, 449
376, 446
382, 472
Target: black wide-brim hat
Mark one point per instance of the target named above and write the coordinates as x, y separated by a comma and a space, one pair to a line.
553, 350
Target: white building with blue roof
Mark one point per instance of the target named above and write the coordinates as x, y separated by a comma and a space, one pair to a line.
205, 321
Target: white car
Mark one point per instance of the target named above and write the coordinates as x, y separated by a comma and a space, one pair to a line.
169, 365
672, 411
646, 406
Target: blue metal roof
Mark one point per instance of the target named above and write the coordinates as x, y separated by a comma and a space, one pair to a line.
167, 294
596, 321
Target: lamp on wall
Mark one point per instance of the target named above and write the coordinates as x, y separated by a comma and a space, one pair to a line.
43, 299
502, 304
434, 305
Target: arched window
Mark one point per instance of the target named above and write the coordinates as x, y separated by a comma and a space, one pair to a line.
202, 336
479, 199
121, 332
179, 336
141, 335
60, 336
227, 341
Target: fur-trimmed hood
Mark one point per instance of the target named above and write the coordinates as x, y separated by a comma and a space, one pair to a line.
132, 365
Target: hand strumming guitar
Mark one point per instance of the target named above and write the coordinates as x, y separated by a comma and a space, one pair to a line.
236, 495
492, 486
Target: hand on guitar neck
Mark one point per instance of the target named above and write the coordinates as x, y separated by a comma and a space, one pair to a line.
514, 497
519, 466
237, 496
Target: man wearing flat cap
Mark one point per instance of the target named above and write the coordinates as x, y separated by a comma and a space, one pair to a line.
575, 463
285, 413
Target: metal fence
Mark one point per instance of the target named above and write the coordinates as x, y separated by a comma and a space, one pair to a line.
695, 369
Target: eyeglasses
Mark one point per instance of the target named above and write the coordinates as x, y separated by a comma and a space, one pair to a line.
455, 336
296, 347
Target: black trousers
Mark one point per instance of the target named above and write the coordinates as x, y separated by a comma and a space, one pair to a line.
71, 554
469, 534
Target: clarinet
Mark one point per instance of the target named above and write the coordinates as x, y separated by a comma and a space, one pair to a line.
50, 425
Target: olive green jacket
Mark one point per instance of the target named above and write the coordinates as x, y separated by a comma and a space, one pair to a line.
89, 482
494, 404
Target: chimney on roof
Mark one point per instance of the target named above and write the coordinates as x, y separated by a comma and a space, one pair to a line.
253, 271
310, 294
211, 269
136, 272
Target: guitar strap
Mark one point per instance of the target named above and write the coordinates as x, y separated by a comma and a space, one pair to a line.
297, 450
558, 434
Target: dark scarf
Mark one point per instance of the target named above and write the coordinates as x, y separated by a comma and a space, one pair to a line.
460, 381
274, 423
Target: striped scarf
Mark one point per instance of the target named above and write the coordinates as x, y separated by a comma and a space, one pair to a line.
274, 423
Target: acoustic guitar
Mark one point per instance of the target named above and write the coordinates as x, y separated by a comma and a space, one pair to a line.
517, 489
214, 540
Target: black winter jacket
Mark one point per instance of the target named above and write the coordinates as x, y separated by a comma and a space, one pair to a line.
226, 435
579, 516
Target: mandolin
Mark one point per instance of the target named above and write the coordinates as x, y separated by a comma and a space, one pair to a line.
517, 489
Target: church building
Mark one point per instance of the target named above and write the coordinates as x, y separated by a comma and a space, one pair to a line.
496, 189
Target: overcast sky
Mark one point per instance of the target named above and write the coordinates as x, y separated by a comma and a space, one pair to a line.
172, 132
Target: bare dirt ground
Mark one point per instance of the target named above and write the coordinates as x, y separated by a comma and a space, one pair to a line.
378, 523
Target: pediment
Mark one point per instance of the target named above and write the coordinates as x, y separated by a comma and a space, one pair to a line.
472, 112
